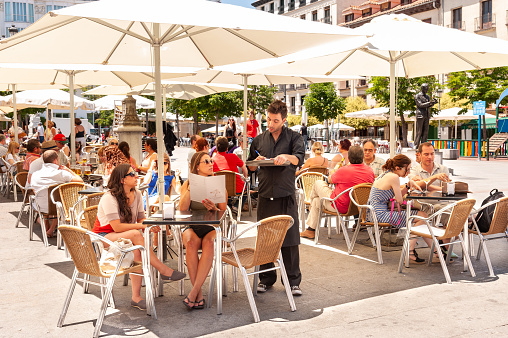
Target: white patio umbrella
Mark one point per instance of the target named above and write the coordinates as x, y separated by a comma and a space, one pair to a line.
343, 127
19, 77
189, 33
46, 98
108, 102
453, 115
211, 129
399, 46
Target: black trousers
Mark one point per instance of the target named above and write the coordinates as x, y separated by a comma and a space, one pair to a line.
291, 259
290, 250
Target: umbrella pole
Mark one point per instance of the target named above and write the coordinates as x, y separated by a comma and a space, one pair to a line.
164, 103
245, 143
456, 129
158, 113
15, 116
73, 117
392, 109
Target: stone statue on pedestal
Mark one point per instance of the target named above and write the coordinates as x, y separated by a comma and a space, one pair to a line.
423, 104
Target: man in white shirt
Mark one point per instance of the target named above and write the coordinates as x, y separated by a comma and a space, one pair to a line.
428, 168
51, 173
192, 151
40, 132
3, 145
37, 164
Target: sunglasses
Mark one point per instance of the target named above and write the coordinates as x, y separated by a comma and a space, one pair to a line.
208, 161
164, 163
132, 174
113, 143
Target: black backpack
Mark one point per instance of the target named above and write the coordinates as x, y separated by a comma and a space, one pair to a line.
484, 217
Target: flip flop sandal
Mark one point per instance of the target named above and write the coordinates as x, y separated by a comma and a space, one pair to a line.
199, 306
188, 303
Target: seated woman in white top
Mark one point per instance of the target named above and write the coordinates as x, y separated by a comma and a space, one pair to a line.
151, 150
12, 156
120, 214
317, 160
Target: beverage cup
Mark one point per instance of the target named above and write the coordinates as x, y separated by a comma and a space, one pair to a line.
450, 188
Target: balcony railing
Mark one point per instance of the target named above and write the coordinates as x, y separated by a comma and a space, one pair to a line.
281, 9
302, 86
327, 19
460, 25
291, 87
485, 22
311, 1
303, 3
270, 10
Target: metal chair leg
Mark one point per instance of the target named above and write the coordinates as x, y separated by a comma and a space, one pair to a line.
250, 296
104, 305
287, 287
466, 256
68, 298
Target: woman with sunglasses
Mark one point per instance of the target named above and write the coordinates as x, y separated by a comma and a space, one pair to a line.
170, 181
199, 236
387, 186
151, 155
12, 156
120, 214
230, 132
113, 142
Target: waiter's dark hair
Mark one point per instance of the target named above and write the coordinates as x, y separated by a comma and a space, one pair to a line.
278, 107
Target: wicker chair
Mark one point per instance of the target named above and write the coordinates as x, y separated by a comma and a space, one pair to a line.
69, 198
35, 211
271, 234
231, 189
359, 196
340, 218
304, 184
79, 243
498, 228
459, 214
20, 180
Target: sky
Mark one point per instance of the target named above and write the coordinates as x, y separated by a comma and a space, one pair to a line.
243, 3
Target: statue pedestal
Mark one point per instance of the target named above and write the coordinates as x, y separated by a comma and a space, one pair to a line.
130, 130
132, 135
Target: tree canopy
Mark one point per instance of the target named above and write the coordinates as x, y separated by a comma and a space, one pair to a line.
323, 102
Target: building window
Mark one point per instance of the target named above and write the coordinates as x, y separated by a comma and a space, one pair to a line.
347, 83
486, 13
327, 12
303, 16
429, 20
272, 7
367, 12
303, 3
281, 6
263, 8
19, 12
8, 11
30, 13
291, 5
386, 6
457, 18
405, 2
349, 17
314, 16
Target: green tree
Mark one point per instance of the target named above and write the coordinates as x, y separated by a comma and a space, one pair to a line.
221, 105
106, 118
405, 96
478, 85
260, 97
353, 104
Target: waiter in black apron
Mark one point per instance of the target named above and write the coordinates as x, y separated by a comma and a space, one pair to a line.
277, 188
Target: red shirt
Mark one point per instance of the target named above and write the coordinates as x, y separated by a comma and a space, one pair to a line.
347, 177
252, 128
30, 157
231, 162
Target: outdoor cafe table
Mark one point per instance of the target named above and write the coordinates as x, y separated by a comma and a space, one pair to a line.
434, 196
182, 219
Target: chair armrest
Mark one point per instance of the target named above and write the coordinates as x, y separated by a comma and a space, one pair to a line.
255, 225
475, 211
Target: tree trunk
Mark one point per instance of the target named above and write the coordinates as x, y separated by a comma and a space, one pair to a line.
217, 124
327, 138
177, 129
403, 123
195, 122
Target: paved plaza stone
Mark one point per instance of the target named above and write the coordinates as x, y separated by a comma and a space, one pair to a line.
343, 295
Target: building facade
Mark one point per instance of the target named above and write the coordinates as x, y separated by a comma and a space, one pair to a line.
18, 15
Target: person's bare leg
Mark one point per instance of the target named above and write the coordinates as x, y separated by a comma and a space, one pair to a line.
136, 280
50, 229
192, 244
204, 266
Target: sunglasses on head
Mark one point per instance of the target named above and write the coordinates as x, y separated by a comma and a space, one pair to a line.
208, 161
132, 174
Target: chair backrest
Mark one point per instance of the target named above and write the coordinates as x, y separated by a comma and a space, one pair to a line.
499, 222
20, 180
69, 195
306, 182
458, 217
93, 199
271, 234
352, 209
79, 245
19, 167
230, 181
52, 210
318, 169
88, 149
90, 214
360, 194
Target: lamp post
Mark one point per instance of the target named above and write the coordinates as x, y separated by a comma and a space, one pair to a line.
439, 94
